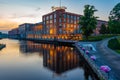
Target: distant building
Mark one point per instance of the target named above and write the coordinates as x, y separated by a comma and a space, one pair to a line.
24, 28
36, 31
14, 33
99, 23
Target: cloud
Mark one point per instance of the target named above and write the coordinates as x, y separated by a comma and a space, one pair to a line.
37, 9
6, 25
23, 16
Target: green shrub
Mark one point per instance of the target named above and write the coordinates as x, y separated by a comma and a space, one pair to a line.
114, 44
99, 37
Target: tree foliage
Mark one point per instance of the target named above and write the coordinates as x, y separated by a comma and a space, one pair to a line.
114, 20
104, 29
88, 22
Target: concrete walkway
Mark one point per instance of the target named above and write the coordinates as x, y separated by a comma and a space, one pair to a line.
106, 56
109, 56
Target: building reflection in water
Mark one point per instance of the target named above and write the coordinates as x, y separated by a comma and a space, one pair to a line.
58, 59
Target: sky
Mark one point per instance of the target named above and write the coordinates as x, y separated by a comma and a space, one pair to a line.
15, 12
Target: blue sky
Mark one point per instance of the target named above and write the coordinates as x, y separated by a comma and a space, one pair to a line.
15, 12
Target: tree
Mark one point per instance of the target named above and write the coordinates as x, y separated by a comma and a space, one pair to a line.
114, 20
103, 29
88, 22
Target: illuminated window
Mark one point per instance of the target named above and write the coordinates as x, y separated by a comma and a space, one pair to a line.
51, 21
51, 31
47, 22
75, 22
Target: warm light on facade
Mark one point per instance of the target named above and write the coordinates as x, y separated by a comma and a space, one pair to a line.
51, 31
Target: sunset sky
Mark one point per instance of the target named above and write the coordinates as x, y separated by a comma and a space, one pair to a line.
15, 12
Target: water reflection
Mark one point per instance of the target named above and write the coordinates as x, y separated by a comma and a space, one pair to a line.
58, 59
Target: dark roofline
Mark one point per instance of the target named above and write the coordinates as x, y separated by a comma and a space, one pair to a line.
74, 13
64, 12
26, 23
102, 21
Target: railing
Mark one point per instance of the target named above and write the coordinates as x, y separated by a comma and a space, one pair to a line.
102, 75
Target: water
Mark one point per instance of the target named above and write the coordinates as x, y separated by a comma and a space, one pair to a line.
25, 60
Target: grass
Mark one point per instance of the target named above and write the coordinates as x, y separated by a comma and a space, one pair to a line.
115, 44
118, 51
99, 37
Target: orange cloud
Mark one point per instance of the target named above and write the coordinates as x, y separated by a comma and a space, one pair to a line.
7, 25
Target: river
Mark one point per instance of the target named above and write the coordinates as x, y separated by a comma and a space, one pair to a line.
26, 60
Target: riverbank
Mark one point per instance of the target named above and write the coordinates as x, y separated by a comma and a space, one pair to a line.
105, 56
109, 57
101, 75
2, 46
48, 41
99, 37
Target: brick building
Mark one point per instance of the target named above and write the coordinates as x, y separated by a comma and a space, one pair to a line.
61, 25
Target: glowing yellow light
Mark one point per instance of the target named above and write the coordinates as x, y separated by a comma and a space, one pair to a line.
51, 53
51, 31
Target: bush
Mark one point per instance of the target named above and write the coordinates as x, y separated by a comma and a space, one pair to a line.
99, 37
114, 44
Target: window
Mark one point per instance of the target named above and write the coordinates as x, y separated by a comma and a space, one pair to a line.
60, 31
44, 22
68, 16
51, 17
54, 15
64, 25
75, 26
60, 20
54, 20
68, 25
51, 21
64, 15
47, 17
72, 25
43, 18
71, 21
64, 20
47, 22
60, 25
78, 18
74, 22
75, 17
68, 21
72, 17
